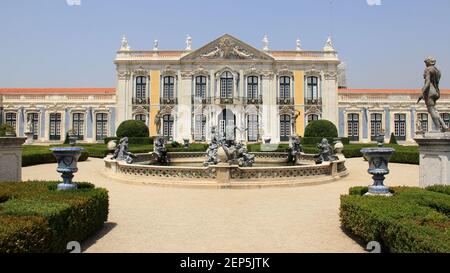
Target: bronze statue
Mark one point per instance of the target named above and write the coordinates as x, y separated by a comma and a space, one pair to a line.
431, 92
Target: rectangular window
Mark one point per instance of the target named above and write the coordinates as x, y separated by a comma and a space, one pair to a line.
285, 87
169, 85
200, 87
446, 118
55, 126
312, 88
423, 119
34, 117
375, 125
252, 87
285, 127
11, 119
101, 125
78, 125
353, 127
253, 127
400, 126
168, 126
200, 124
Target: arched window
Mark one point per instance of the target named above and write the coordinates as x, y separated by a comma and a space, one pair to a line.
312, 90
11, 119
313, 117
200, 124
101, 125
168, 126
252, 87
34, 117
169, 87
200, 87
285, 127
226, 85
285, 87
78, 125
253, 127
55, 126
141, 117
141, 87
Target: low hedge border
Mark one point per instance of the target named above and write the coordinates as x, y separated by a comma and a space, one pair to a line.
35, 218
132, 140
414, 220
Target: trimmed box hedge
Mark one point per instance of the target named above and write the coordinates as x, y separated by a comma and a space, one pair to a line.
315, 140
35, 155
132, 140
414, 220
36, 218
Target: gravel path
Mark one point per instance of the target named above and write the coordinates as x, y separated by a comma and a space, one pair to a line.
167, 219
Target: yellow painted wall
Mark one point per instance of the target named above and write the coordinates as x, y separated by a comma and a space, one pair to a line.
299, 99
154, 98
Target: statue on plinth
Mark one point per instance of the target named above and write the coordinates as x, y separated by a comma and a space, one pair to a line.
295, 148
211, 152
158, 122
121, 153
431, 92
326, 152
159, 149
243, 157
29, 127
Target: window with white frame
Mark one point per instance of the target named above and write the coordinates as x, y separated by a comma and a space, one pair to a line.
446, 118
101, 125
200, 87
312, 90
423, 120
226, 85
34, 117
353, 127
285, 127
141, 87
313, 117
252, 87
400, 126
199, 127
11, 119
78, 125
285, 87
168, 126
169, 87
376, 122
253, 127
141, 117
55, 126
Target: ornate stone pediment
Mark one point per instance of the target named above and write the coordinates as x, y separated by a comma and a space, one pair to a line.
227, 48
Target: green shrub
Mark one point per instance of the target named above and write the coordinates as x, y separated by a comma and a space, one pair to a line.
413, 220
393, 139
36, 155
132, 140
316, 140
5, 128
321, 128
439, 188
37, 218
132, 128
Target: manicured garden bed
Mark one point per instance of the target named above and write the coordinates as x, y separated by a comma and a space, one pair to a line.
413, 220
35, 155
35, 218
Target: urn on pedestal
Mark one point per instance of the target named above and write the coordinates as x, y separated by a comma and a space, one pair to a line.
67, 159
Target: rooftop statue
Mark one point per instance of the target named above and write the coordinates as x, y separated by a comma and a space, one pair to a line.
431, 92
121, 153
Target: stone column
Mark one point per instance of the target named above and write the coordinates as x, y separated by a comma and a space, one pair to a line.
434, 159
11, 158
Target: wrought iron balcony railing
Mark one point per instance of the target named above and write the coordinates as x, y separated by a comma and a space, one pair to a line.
201, 100
315, 101
254, 100
140, 101
168, 101
285, 101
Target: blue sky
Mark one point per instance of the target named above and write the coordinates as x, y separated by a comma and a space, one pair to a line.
48, 43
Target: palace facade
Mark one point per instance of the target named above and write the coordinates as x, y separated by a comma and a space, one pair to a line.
266, 94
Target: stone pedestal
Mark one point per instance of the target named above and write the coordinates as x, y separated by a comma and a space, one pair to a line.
11, 158
29, 138
434, 158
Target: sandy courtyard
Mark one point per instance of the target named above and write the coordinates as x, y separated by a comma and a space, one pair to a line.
168, 219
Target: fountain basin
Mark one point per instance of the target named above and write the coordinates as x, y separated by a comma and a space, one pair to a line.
270, 169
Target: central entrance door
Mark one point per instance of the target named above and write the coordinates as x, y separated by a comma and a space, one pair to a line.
227, 122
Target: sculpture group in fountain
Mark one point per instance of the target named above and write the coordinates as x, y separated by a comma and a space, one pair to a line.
295, 149
121, 153
160, 151
326, 152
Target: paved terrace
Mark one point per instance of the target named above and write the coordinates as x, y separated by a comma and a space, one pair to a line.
167, 219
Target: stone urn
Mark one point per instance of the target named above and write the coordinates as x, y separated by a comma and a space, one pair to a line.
338, 146
67, 159
378, 159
